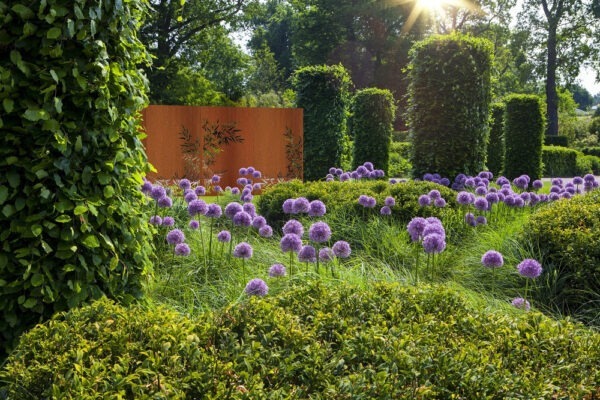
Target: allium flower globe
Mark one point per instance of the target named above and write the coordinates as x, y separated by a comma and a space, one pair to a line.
316, 208
197, 207
258, 222
213, 211
307, 254
424, 200
288, 206
389, 201
165, 202
385, 210
293, 226
276, 270
301, 205
319, 232
224, 237
415, 228
521, 303
182, 249
326, 254
175, 236
256, 287
156, 220
232, 208
341, 249
185, 184
194, 224
242, 218
529, 268
290, 242
492, 259
168, 221
434, 243
243, 250
265, 231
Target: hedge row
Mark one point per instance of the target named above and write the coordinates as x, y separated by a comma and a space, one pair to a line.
564, 161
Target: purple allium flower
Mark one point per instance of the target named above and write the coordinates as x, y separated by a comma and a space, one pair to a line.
250, 208
480, 191
256, 174
257, 186
156, 220
369, 166
185, 184
415, 228
589, 178
341, 249
464, 198
168, 221
235, 191
437, 229
288, 206
217, 189
197, 207
165, 202
439, 202
301, 205
519, 202
389, 201
316, 208
307, 254
470, 182
224, 237
537, 184
492, 198
290, 242
434, 243
362, 171
242, 218
242, 250
428, 177
553, 196
344, 177
329, 178
190, 196
242, 181
529, 268
434, 194
293, 226
445, 182
194, 224
481, 220
175, 236
424, 200
371, 202
250, 170
385, 210
326, 254
147, 187
256, 287
265, 231
470, 219
200, 190
521, 303
481, 203
492, 259
525, 196
214, 211
243, 171
258, 222
182, 249
566, 195
331, 171
577, 180
338, 171
502, 180
319, 232
157, 192
232, 208
276, 270
363, 200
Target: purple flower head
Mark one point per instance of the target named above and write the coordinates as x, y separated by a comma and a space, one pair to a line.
481, 220
235, 191
175, 236
519, 202
156, 220
437, 229
165, 202
157, 192
147, 187
571, 190
355, 175
246, 198
214, 211
243, 171
200, 190
445, 182
224, 237
434, 243
362, 171
182, 249
293, 226
250, 208
301, 205
242, 218
316, 208
389, 201
492, 259
341, 249
534, 199
194, 224
290, 242
232, 208
529, 268
250, 170
553, 196
434, 194
197, 207
460, 178
428, 177
521, 303
288, 206
326, 254
331, 171
242, 181
190, 196
256, 287
307, 254
185, 184
385, 210
277, 270
415, 228
520, 182
371, 202
480, 191
537, 184
470, 219
217, 189
589, 178
338, 171
344, 177
566, 195
257, 186
369, 166
424, 200
439, 202
470, 182
258, 222
319, 232
502, 180
168, 221
492, 197
329, 178
242, 250
525, 196
256, 174
481, 203
265, 231
363, 200
464, 198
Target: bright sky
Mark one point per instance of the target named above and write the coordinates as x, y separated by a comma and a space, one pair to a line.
587, 78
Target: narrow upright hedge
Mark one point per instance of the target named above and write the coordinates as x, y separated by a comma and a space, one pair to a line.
322, 91
449, 96
524, 136
371, 125
496, 147
71, 158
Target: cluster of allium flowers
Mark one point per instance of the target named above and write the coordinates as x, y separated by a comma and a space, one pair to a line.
492, 259
307, 254
365, 171
182, 249
434, 197
293, 226
197, 207
529, 268
436, 178
415, 228
224, 237
175, 236
290, 242
213, 211
256, 287
243, 250
341, 249
276, 270
319, 232
367, 201
232, 208
242, 218
521, 303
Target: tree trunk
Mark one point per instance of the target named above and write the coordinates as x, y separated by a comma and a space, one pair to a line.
551, 95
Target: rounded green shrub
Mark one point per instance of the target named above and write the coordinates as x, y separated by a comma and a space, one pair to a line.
323, 92
448, 107
567, 234
495, 146
71, 158
559, 161
371, 125
524, 136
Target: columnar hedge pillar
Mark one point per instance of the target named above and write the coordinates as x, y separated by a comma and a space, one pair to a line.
371, 125
448, 107
322, 91
71, 158
524, 136
496, 147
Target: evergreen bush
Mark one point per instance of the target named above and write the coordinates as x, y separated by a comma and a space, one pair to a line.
496, 147
71, 158
399, 160
323, 92
371, 125
559, 161
524, 135
591, 151
448, 108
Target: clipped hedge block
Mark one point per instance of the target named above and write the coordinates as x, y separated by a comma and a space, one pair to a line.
559, 161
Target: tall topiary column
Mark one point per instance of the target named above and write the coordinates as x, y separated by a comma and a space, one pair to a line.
371, 125
496, 147
524, 126
71, 158
322, 91
448, 106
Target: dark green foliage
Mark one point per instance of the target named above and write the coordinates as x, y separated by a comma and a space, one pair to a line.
567, 234
71, 158
372, 114
309, 342
559, 161
586, 164
591, 151
399, 160
523, 134
322, 91
594, 127
400, 136
496, 147
562, 141
449, 97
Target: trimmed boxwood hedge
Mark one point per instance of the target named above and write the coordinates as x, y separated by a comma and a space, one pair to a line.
496, 147
310, 341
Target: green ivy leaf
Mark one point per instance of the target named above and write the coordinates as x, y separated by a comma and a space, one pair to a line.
58, 105
23, 11
80, 209
109, 191
3, 194
91, 241
54, 33
30, 303
36, 230
8, 105
37, 280
35, 114
63, 219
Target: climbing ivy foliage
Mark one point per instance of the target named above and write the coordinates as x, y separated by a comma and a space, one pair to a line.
71, 158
